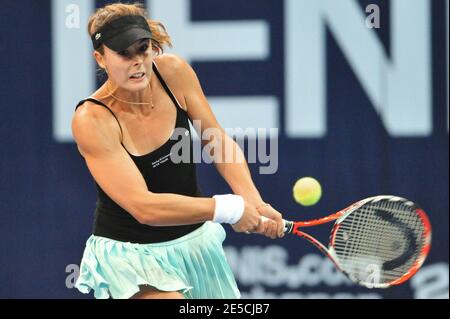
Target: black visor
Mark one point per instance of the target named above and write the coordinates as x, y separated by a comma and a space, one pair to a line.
119, 34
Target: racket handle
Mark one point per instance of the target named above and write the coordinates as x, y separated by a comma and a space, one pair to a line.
288, 225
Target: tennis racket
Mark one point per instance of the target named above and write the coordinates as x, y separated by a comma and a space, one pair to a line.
377, 242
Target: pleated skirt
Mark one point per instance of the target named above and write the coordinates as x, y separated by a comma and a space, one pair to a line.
194, 265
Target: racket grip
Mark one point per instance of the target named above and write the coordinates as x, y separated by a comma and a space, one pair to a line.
288, 225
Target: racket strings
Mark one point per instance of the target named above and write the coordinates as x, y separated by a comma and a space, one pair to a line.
369, 231
359, 252
384, 249
382, 238
385, 244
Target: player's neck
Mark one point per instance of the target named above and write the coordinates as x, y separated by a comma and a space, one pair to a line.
138, 103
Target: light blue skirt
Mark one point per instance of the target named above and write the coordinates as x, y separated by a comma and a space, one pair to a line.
194, 265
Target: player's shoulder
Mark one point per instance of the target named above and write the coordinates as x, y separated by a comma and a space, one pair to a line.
172, 66
92, 122
90, 113
170, 61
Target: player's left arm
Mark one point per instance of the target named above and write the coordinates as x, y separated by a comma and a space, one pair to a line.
226, 153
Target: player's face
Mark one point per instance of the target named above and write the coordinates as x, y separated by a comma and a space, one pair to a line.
130, 69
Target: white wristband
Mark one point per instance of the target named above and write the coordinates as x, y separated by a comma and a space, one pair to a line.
229, 208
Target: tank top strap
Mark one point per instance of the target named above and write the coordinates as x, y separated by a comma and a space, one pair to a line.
166, 88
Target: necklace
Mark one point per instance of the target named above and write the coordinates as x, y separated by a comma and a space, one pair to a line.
136, 103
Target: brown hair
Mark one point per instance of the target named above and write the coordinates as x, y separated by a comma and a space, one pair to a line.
110, 12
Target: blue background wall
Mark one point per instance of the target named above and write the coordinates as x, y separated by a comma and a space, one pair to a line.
47, 196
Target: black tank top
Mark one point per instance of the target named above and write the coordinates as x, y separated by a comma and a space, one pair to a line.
161, 175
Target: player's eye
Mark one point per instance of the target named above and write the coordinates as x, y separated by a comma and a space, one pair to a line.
124, 53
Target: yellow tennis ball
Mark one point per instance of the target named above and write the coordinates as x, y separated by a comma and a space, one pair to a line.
307, 191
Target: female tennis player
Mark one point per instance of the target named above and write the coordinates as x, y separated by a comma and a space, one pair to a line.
154, 234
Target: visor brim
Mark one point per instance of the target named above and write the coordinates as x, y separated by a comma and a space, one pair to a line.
123, 40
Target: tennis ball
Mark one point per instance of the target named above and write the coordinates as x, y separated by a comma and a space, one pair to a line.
307, 191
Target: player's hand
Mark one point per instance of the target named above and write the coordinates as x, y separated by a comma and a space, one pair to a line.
249, 221
274, 226
268, 228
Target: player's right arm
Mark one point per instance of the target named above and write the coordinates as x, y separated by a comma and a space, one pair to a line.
98, 137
